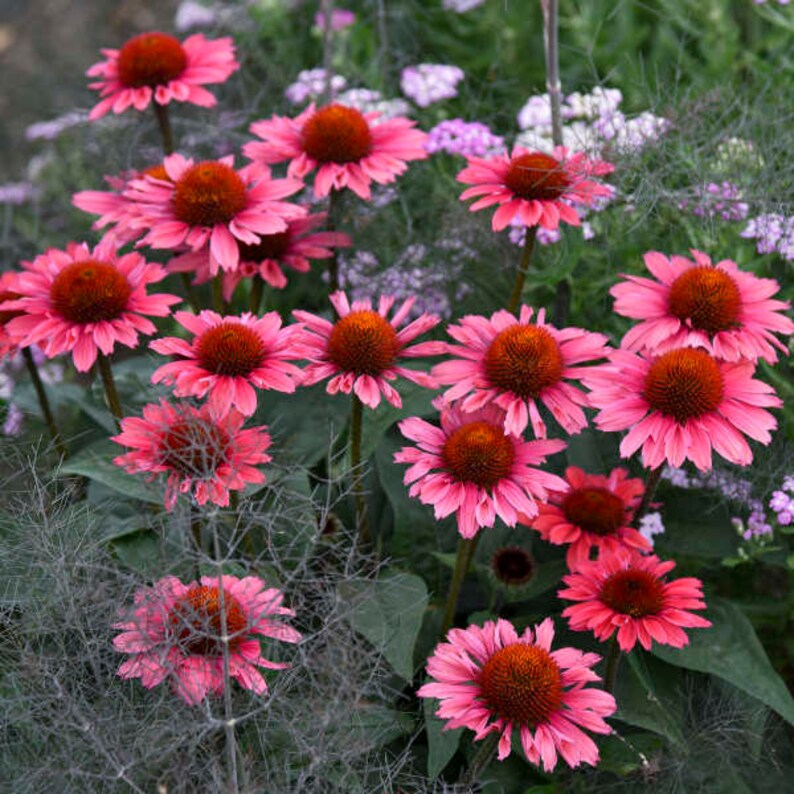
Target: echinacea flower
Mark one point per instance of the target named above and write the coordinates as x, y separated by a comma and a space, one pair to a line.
112, 206
211, 203
349, 149
534, 188
625, 591
8, 292
595, 511
681, 404
471, 467
202, 454
516, 364
157, 67
228, 358
491, 679
725, 311
176, 632
361, 350
292, 248
82, 301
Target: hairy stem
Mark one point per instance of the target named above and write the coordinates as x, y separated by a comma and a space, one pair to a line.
356, 422
650, 488
523, 268
255, 297
218, 304
44, 403
334, 209
164, 122
190, 293
228, 712
463, 558
611, 670
103, 363
485, 754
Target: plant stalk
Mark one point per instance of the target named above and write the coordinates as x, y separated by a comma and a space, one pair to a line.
613, 660
650, 488
164, 122
356, 422
523, 268
463, 558
485, 754
255, 297
44, 402
334, 208
103, 364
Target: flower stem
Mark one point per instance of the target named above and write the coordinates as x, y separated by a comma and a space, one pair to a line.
356, 422
255, 298
164, 122
327, 10
463, 558
218, 304
650, 487
334, 205
485, 754
44, 403
611, 670
103, 363
190, 293
523, 267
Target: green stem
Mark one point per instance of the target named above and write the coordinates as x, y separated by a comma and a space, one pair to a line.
41, 393
484, 756
218, 304
356, 422
463, 558
103, 363
650, 487
334, 209
164, 122
190, 294
255, 298
523, 268
613, 660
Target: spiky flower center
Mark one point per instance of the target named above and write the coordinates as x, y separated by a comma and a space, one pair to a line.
480, 453
90, 292
208, 193
524, 359
194, 447
537, 176
337, 134
684, 384
707, 297
363, 342
196, 621
522, 683
595, 510
9, 314
270, 246
230, 349
633, 592
151, 59
513, 566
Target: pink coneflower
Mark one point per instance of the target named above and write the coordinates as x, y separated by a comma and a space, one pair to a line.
81, 301
596, 511
534, 188
490, 679
200, 453
516, 363
625, 590
8, 281
470, 466
346, 146
176, 631
292, 248
210, 203
112, 206
680, 405
228, 358
718, 307
156, 66
360, 351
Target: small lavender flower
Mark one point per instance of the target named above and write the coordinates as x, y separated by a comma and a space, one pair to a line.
50, 130
773, 233
15, 418
757, 526
717, 200
464, 138
310, 85
17, 193
676, 476
461, 6
427, 83
779, 2
190, 15
780, 501
340, 18
367, 100
651, 524
788, 483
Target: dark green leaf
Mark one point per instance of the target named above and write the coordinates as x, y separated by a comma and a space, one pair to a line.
442, 745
